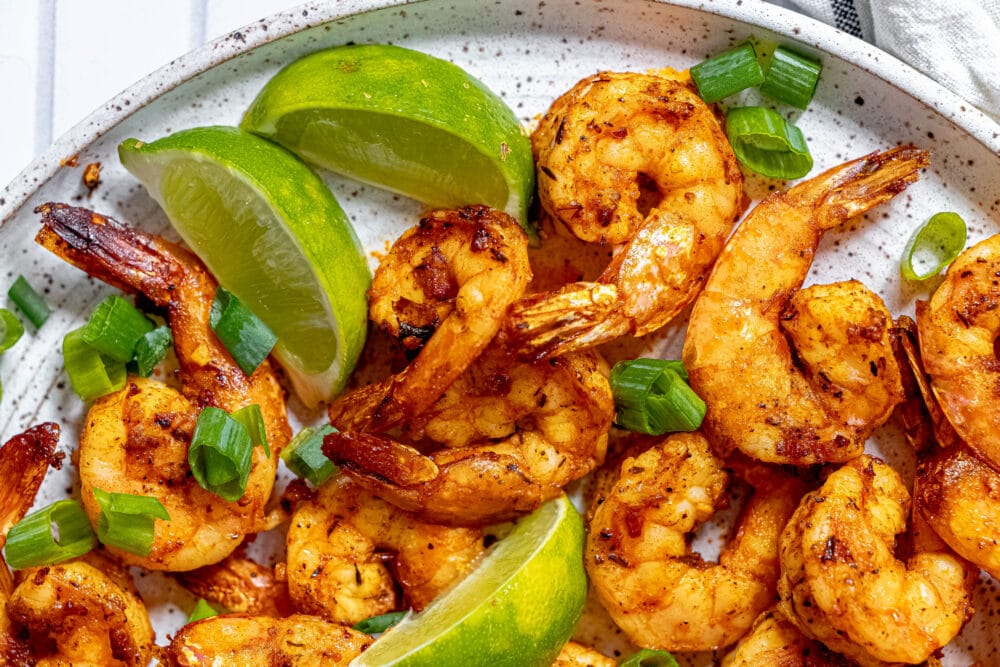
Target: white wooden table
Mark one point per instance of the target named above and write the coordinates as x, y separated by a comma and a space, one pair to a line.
61, 59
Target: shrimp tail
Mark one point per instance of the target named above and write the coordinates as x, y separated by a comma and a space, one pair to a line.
860, 185
24, 459
578, 315
113, 252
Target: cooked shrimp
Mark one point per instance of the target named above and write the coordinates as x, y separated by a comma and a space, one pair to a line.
820, 402
348, 549
24, 460
240, 585
135, 441
578, 655
442, 291
82, 612
638, 557
842, 584
958, 330
776, 642
638, 161
513, 435
959, 496
239, 639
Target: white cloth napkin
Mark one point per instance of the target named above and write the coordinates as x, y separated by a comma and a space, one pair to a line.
955, 42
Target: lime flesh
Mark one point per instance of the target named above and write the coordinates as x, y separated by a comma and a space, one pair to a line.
403, 120
518, 607
272, 233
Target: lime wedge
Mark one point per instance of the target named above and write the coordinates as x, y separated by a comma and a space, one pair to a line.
402, 120
272, 233
518, 607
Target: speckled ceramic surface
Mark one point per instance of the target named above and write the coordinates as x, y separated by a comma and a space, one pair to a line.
528, 51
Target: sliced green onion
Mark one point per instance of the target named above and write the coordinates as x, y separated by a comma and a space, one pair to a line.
651, 397
304, 455
253, 421
219, 454
202, 610
29, 302
244, 334
727, 73
91, 374
381, 623
765, 143
115, 327
50, 535
11, 329
933, 246
151, 349
791, 78
127, 521
650, 658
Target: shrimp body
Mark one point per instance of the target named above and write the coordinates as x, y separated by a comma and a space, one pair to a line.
508, 437
578, 655
442, 291
136, 440
238, 639
89, 609
347, 549
958, 329
959, 496
638, 161
842, 584
821, 402
775, 641
639, 561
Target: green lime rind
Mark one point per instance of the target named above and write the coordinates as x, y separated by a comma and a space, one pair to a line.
517, 608
278, 240
402, 120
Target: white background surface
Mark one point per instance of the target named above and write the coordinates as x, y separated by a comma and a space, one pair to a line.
61, 59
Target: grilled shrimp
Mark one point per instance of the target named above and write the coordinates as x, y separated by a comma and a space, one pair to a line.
959, 496
442, 291
240, 585
82, 612
775, 641
842, 584
638, 557
513, 434
136, 440
820, 402
638, 161
958, 329
24, 460
239, 639
348, 548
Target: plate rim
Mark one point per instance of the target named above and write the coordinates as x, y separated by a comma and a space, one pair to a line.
811, 32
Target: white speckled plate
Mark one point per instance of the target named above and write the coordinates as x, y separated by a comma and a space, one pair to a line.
529, 51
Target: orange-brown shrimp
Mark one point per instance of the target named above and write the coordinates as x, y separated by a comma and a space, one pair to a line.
640, 162
820, 401
136, 440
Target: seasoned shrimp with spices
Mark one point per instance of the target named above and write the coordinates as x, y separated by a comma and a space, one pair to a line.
239, 585
638, 548
508, 436
442, 292
640, 162
958, 330
349, 552
775, 641
24, 460
84, 612
790, 375
578, 655
842, 583
135, 441
239, 639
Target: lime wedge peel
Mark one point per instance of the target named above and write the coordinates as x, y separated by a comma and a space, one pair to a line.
402, 120
272, 233
518, 607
